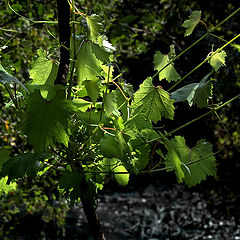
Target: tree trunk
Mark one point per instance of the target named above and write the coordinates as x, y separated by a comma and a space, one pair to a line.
93, 220
64, 39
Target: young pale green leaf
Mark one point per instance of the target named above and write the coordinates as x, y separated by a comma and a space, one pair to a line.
88, 66
5, 187
169, 73
205, 162
152, 103
194, 93
94, 26
217, 60
92, 89
5, 77
192, 22
18, 166
47, 121
123, 178
44, 70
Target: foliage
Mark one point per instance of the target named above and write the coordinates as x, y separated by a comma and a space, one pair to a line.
95, 127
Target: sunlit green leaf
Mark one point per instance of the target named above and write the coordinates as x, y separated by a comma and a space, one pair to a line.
92, 89
169, 73
81, 104
5, 187
109, 103
217, 60
88, 66
123, 178
94, 25
152, 102
192, 22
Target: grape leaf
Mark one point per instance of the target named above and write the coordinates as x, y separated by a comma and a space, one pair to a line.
92, 89
192, 22
5, 77
47, 121
173, 158
88, 66
169, 73
69, 180
5, 187
194, 93
100, 53
44, 70
23, 163
140, 151
202, 153
109, 147
152, 103
94, 25
109, 103
217, 60
81, 104
122, 179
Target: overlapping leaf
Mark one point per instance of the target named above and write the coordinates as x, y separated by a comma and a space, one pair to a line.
217, 60
44, 70
88, 66
192, 22
5, 187
94, 25
152, 103
160, 61
203, 162
194, 93
47, 121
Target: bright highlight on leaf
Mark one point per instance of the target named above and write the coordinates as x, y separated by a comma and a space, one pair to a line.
192, 22
152, 103
44, 70
194, 93
88, 66
5, 187
122, 179
94, 25
217, 60
160, 61
47, 121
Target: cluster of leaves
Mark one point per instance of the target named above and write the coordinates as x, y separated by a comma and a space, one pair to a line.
100, 128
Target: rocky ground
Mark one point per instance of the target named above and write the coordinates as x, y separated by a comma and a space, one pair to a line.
155, 213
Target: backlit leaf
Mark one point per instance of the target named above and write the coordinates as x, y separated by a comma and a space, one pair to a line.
109, 103
217, 60
43, 70
205, 164
192, 22
94, 25
88, 66
92, 89
152, 103
122, 179
160, 61
47, 121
